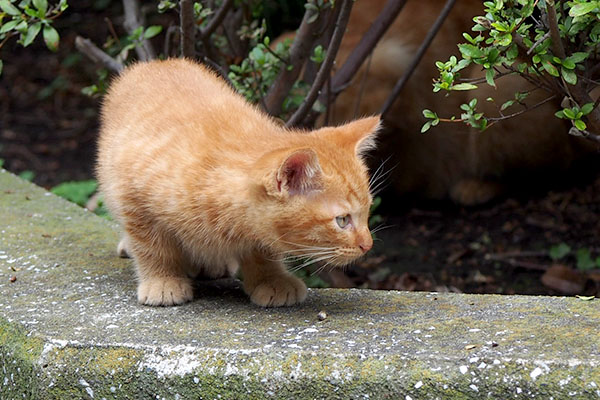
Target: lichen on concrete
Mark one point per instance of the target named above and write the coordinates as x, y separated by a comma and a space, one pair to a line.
70, 327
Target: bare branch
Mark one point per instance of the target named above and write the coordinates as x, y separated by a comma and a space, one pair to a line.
366, 45
96, 54
169, 39
363, 84
586, 134
230, 28
538, 42
187, 24
417, 58
334, 45
217, 19
557, 46
218, 69
133, 20
303, 43
515, 114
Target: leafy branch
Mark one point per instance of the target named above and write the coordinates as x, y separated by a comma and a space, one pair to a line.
557, 53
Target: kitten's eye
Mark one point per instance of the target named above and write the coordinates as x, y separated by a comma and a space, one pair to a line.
343, 220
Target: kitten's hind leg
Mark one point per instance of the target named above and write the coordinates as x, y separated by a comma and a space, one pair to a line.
269, 284
161, 268
123, 247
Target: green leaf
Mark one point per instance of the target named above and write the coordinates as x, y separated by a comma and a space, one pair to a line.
426, 127
51, 38
463, 86
489, 77
429, 114
376, 203
569, 113
27, 175
152, 31
506, 105
583, 8
579, 124
559, 251
31, 12
1, 66
42, 6
578, 57
569, 75
8, 8
77, 192
587, 108
568, 64
32, 32
584, 259
9, 26
470, 51
512, 52
551, 69
560, 114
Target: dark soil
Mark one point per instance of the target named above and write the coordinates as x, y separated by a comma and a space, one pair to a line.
48, 127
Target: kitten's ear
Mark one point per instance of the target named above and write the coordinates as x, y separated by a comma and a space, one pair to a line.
299, 173
361, 134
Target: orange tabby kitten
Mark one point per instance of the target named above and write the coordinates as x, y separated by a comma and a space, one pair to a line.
203, 183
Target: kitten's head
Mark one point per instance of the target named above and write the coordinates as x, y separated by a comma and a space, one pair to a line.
318, 192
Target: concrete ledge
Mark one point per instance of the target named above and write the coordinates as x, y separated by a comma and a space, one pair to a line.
70, 328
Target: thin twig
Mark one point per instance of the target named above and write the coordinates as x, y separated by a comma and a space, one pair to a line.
217, 19
363, 84
515, 114
483, 80
299, 52
187, 24
334, 45
538, 42
524, 264
133, 20
112, 31
417, 58
495, 120
515, 254
219, 70
586, 134
88, 48
168, 39
359, 54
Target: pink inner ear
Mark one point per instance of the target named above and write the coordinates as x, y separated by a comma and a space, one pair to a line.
298, 173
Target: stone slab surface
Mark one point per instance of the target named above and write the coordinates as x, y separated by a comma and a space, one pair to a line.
70, 328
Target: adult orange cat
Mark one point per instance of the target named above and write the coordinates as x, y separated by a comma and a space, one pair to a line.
451, 160
203, 183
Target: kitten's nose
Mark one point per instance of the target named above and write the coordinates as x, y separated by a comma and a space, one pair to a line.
366, 242
364, 247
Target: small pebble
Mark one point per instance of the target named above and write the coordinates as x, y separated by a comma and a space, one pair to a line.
322, 315
13, 278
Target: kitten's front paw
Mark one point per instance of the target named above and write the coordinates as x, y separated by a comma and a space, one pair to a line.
165, 291
283, 290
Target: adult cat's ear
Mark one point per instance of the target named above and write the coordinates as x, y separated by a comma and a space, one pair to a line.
299, 173
361, 134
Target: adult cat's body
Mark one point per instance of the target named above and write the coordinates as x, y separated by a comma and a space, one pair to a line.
204, 183
451, 160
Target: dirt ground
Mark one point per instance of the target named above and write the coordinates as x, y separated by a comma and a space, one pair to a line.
48, 127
